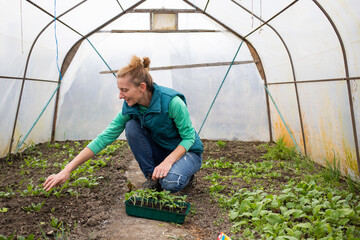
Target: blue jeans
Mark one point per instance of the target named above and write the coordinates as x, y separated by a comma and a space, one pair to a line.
149, 154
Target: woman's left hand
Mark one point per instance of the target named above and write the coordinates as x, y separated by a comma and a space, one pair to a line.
162, 169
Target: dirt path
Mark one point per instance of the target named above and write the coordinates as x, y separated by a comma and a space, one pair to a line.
122, 226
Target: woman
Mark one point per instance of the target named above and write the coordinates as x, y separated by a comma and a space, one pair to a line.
158, 130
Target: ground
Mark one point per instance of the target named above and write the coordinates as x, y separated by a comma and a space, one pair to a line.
94, 208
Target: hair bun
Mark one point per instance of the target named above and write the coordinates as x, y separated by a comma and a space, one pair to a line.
146, 62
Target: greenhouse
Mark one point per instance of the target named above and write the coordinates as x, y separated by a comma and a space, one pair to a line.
251, 70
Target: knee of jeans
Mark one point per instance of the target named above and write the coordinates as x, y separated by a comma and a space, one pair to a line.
173, 182
131, 128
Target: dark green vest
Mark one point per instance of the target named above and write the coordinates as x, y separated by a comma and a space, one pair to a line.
163, 129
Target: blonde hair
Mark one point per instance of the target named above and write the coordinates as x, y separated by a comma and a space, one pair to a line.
138, 70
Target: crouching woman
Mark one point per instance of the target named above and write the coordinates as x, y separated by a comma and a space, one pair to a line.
157, 127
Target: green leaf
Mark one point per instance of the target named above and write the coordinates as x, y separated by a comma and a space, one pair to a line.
304, 225
264, 212
233, 215
344, 212
274, 218
336, 198
348, 198
286, 237
246, 214
240, 223
329, 195
316, 210
343, 221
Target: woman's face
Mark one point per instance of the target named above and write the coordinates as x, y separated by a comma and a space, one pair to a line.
131, 93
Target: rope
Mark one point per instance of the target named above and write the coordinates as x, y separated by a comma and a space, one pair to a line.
220, 86
100, 56
282, 119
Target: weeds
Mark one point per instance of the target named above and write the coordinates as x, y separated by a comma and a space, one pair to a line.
332, 173
354, 187
281, 152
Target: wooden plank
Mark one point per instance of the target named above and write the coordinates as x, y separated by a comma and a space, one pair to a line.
162, 31
190, 66
162, 11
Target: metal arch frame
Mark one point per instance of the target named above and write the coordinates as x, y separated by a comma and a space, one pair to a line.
33, 44
257, 55
266, 23
249, 44
347, 78
24, 78
338, 35
292, 69
76, 44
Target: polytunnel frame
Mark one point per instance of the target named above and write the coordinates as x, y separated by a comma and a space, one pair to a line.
252, 50
34, 42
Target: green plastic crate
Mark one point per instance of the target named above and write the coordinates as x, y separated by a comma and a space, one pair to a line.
156, 214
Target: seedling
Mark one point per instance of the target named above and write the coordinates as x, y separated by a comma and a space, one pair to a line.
221, 144
34, 207
55, 223
3, 210
8, 194
157, 199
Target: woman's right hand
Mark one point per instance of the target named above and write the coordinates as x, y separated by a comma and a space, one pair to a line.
56, 180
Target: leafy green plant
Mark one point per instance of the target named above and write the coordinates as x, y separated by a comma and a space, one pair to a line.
89, 182
11, 237
221, 144
33, 207
111, 149
55, 223
8, 194
280, 151
30, 237
3, 210
353, 186
32, 190
218, 163
303, 210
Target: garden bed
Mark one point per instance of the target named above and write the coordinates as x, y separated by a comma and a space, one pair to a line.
81, 207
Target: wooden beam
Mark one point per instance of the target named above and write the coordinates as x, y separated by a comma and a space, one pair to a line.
190, 66
162, 11
161, 31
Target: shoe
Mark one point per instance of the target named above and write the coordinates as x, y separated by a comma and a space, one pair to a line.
151, 184
191, 182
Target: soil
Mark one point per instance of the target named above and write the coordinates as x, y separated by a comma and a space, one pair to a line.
98, 212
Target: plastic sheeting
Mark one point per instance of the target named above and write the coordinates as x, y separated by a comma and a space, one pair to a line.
310, 40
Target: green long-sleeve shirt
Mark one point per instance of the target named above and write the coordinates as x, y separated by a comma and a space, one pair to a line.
177, 111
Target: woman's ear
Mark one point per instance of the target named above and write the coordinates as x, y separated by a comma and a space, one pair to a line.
143, 86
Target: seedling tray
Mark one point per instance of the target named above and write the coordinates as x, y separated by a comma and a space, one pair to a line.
154, 213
